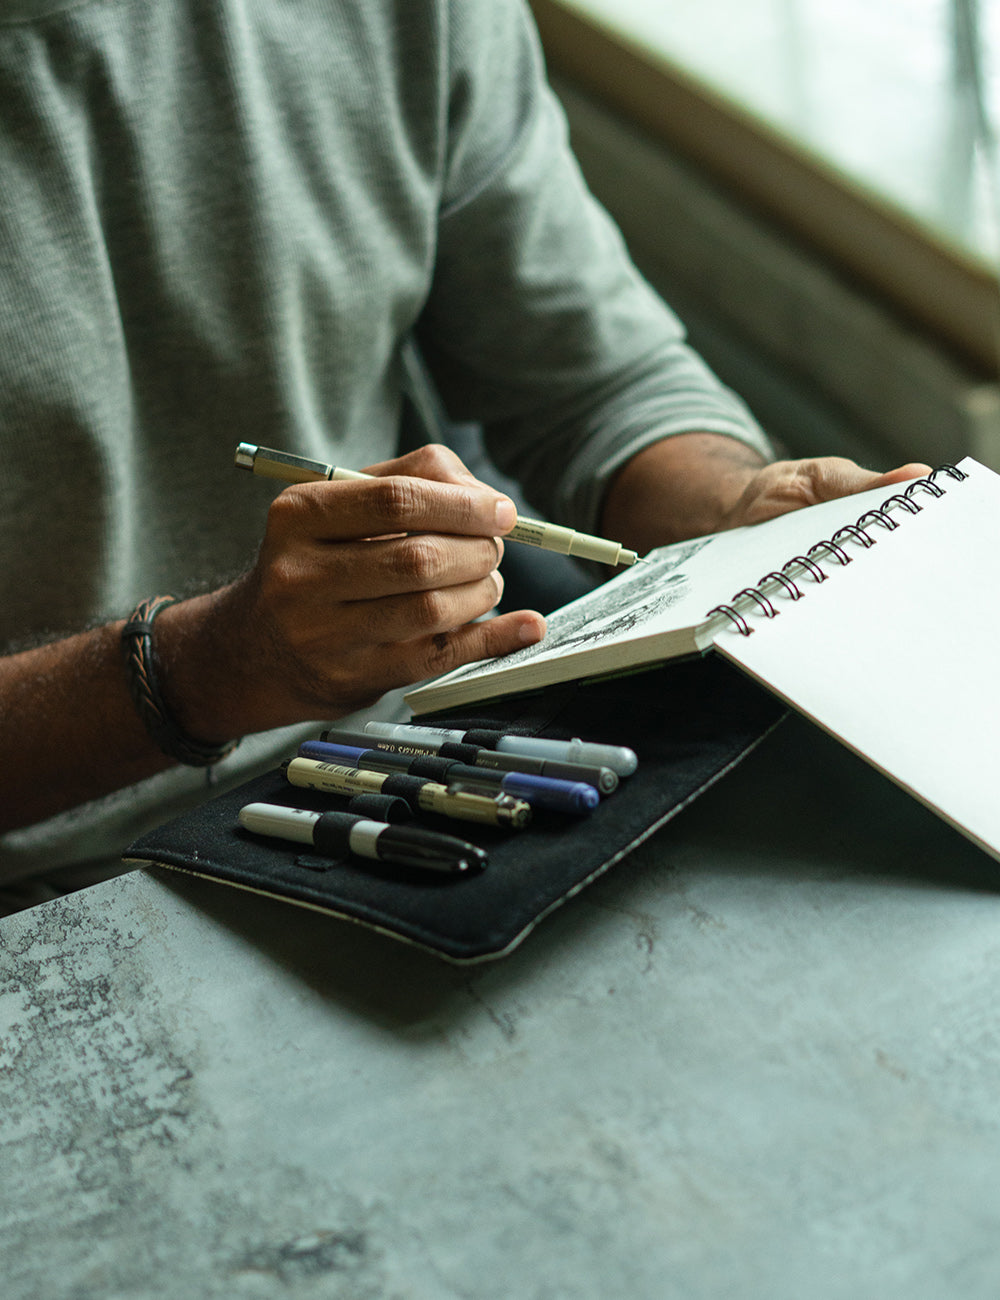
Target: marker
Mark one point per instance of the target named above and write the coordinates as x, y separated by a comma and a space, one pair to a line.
602, 778
335, 833
539, 791
430, 796
617, 757
268, 463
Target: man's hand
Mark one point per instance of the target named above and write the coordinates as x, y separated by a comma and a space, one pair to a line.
360, 586
790, 484
699, 483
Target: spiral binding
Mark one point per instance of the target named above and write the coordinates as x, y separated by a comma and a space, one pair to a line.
800, 565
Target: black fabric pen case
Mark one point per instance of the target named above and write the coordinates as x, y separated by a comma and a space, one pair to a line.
689, 723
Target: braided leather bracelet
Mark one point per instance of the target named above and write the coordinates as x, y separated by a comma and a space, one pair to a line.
140, 668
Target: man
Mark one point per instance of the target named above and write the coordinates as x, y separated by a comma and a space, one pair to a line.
224, 221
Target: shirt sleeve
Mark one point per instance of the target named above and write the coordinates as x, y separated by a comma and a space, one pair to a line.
538, 325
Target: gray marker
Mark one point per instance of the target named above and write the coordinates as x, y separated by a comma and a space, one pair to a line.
602, 778
619, 758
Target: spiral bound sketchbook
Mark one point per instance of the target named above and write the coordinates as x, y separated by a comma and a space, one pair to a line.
876, 615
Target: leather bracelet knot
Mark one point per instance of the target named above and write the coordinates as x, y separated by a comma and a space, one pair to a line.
144, 688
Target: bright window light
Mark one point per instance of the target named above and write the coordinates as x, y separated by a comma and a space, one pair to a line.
900, 95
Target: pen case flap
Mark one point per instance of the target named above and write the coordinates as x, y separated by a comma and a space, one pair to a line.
689, 722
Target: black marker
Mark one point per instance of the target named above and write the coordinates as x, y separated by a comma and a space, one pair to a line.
335, 833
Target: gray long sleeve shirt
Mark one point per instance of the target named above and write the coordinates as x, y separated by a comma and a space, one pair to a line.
221, 220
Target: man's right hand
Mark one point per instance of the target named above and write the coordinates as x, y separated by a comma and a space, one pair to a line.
360, 586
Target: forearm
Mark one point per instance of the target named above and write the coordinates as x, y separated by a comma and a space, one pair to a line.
69, 731
699, 483
685, 486
328, 619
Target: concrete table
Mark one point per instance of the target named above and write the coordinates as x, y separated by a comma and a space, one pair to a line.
759, 1059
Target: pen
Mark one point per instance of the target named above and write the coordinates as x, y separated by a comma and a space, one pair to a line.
268, 463
337, 833
619, 758
430, 796
602, 778
539, 791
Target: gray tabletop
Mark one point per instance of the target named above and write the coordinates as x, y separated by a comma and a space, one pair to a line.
759, 1059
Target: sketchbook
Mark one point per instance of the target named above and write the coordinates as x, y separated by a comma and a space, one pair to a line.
874, 615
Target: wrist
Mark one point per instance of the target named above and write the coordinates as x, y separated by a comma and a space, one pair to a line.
198, 674
145, 683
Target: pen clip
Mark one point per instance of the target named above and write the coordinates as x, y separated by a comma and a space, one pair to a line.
466, 785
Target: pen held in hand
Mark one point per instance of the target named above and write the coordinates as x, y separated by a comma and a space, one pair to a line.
337, 834
268, 463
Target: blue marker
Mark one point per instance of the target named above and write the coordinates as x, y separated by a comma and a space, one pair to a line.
540, 791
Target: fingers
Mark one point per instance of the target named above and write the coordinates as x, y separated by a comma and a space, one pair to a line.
786, 485
316, 626
401, 664
392, 566
380, 507
444, 651
434, 461
351, 626
324, 586
344, 658
302, 656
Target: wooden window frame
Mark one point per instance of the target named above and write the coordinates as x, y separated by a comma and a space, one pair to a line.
947, 293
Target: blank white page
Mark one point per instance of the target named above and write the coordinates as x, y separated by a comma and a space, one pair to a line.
898, 653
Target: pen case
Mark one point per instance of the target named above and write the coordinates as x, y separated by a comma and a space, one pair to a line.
689, 722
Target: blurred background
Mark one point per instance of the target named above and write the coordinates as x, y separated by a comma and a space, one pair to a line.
814, 186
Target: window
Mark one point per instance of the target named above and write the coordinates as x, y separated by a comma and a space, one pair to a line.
864, 126
898, 94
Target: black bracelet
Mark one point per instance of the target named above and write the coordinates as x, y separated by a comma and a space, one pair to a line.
140, 667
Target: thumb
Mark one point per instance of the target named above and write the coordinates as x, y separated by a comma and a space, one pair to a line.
835, 477
901, 475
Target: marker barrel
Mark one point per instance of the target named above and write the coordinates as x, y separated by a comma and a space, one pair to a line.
619, 758
338, 834
575, 797
429, 796
602, 778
